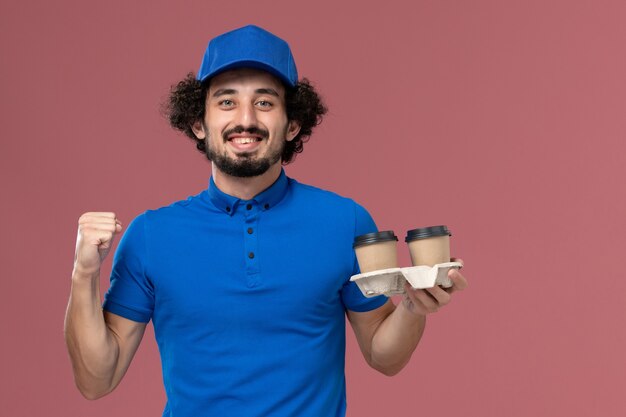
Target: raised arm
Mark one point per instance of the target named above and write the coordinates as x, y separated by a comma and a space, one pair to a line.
100, 344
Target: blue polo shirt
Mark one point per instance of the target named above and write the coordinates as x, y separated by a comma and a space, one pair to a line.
247, 298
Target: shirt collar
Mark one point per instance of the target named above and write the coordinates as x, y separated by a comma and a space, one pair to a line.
266, 199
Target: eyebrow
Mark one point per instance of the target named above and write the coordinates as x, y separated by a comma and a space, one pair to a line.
269, 91
231, 91
224, 92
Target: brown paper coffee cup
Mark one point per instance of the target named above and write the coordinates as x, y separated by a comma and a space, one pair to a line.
376, 251
429, 245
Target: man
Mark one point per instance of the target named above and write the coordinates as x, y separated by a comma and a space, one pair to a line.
247, 283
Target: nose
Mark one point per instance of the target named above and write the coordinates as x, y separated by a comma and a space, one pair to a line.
247, 115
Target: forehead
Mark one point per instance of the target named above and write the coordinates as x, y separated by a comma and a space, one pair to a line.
242, 79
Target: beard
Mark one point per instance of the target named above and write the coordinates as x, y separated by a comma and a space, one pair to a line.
245, 164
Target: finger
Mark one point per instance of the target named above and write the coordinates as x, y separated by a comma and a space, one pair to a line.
90, 233
422, 300
414, 305
93, 234
108, 214
96, 220
439, 294
89, 220
459, 260
458, 280
94, 241
85, 228
104, 215
114, 229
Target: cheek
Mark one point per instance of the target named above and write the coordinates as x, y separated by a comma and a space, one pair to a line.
215, 128
279, 125
216, 120
213, 136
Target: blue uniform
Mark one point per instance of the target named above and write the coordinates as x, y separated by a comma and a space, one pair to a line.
247, 298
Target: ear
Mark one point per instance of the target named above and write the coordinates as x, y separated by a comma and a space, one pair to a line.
198, 129
293, 128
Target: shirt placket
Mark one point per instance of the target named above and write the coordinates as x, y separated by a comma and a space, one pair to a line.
251, 247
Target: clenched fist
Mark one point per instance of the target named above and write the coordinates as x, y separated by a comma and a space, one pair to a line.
94, 241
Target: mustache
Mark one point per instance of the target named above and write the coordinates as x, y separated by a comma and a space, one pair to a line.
253, 130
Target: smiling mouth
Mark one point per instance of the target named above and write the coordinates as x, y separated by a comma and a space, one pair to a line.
243, 135
245, 146
244, 140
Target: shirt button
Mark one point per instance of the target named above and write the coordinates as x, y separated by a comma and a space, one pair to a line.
228, 209
249, 207
267, 206
250, 230
251, 255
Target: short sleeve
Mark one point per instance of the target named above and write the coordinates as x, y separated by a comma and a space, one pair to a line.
352, 296
131, 294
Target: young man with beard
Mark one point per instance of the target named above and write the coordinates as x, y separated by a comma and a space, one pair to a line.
247, 283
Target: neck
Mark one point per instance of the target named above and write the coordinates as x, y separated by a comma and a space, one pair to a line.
245, 188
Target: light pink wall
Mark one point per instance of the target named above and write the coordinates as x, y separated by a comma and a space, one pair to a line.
502, 119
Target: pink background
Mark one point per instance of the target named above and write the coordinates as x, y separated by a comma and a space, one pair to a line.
504, 120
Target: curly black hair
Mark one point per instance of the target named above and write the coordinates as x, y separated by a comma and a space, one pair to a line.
186, 105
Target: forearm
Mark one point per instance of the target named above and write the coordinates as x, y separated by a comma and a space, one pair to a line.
395, 340
92, 347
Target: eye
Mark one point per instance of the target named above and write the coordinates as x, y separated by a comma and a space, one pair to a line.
264, 103
226, 103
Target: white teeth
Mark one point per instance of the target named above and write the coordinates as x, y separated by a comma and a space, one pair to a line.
244, 140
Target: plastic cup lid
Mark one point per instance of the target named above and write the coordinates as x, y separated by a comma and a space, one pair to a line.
376, 237
426, 232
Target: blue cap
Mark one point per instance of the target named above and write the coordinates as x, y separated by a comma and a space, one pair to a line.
249, 47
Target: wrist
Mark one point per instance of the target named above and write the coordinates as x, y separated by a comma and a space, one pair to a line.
407, 307
80, 274
85, 289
